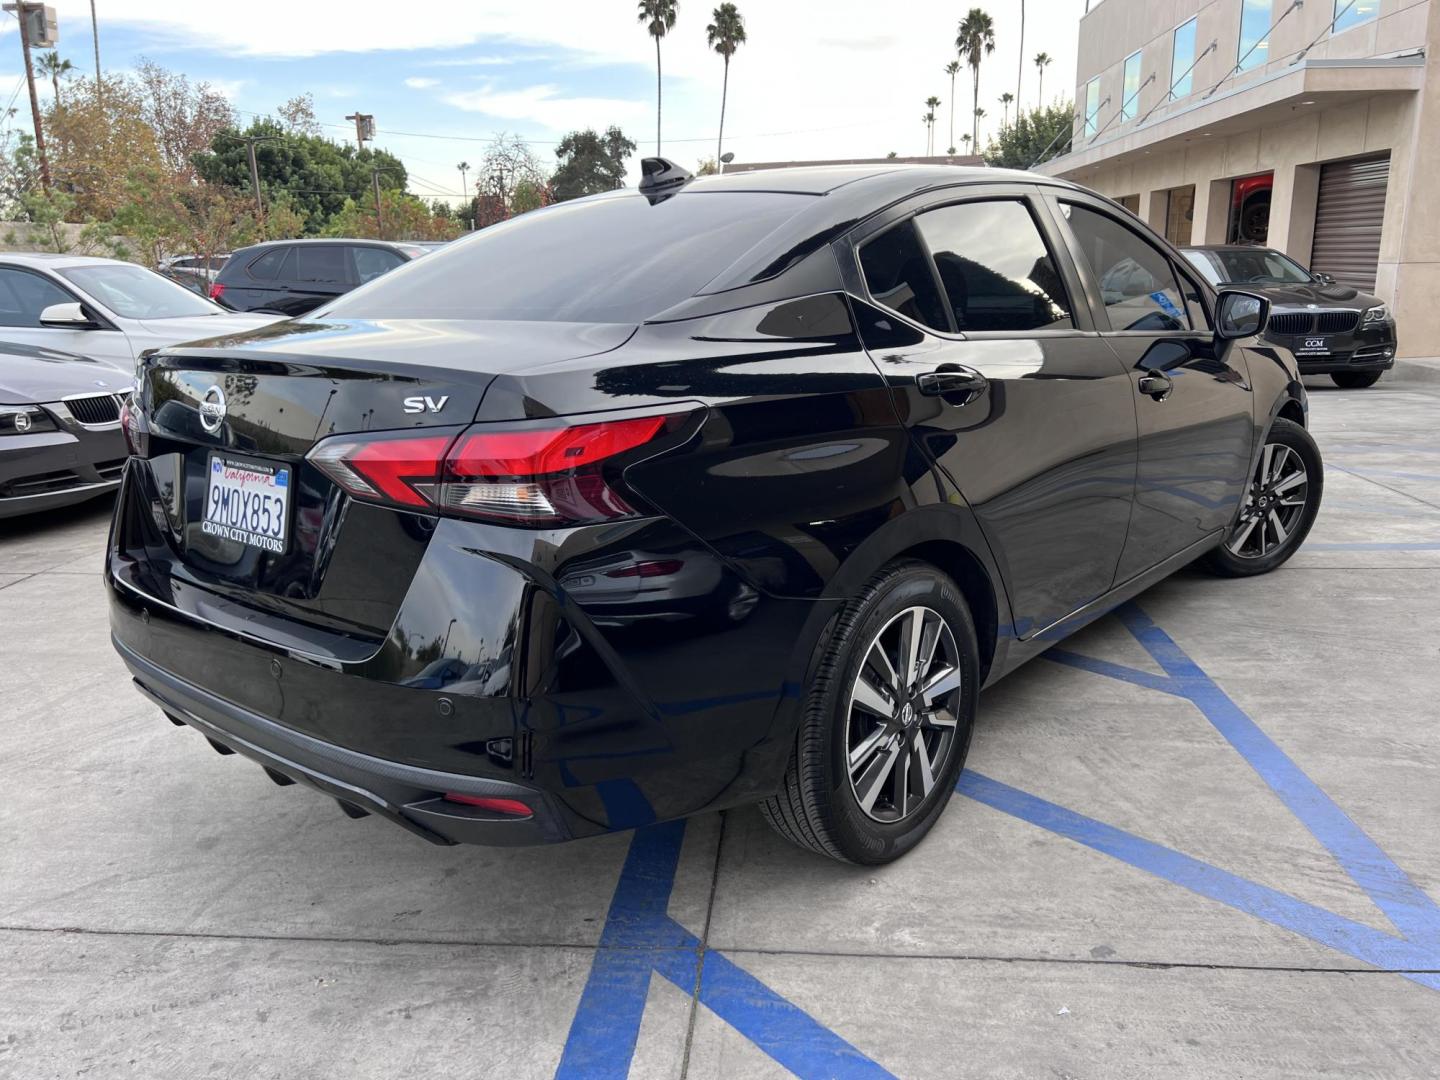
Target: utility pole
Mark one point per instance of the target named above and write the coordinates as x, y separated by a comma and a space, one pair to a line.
364, 128
22, 11
379, 214
95, 34
255, 181
464, 167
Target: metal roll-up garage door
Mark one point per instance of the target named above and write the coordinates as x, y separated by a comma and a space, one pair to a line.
1348, 216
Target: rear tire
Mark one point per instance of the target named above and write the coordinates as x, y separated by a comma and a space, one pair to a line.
1354, 380
1279, 506
874, 765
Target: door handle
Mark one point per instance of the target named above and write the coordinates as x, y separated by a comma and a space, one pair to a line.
1156, 384
950, 379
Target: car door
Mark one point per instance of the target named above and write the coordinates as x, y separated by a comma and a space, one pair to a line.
1192, 393
25, 293
1002, 379
321, 273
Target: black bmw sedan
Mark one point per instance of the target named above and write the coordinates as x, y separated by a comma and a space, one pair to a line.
1331, 328
722, 491
60, 440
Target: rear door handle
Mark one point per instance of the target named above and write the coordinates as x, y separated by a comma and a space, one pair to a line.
951, 379
1156, 384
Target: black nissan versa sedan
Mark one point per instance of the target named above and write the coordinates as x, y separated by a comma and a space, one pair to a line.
721, 491
60, 440
1331, 328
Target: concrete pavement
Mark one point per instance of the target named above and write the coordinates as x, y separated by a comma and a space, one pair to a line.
1141, 877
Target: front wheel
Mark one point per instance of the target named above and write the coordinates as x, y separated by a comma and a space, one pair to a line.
1355, 380
887, 723
1279, 506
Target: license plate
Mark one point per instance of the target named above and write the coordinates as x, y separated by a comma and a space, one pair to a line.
249, 502
1313, 346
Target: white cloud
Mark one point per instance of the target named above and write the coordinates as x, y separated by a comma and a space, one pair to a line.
229, 89
417, 82
547, 106
483, 61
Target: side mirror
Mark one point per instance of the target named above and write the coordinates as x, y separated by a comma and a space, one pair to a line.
1240, 314
67, 317
1324, 279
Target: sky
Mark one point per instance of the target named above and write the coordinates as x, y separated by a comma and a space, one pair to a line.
816, 79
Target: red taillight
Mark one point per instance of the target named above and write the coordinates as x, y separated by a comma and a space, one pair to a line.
134, 428
655, 568
511, 807
396, 467
216, 290
550, 474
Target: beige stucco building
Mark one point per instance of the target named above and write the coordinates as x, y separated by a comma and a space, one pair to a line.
1314, 128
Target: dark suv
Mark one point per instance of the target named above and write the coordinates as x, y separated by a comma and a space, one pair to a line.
725, 490
291, 277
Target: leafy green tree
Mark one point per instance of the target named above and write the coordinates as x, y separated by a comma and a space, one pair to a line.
1045, 130
51, 67
590, 163
725, 35
974, 40
952, 69
317, 175
1042, 61
406, 217
659, 19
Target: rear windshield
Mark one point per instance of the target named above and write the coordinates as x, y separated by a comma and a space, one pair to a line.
607, 260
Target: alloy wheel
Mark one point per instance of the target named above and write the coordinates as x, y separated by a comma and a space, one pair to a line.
1273, 505
901, 715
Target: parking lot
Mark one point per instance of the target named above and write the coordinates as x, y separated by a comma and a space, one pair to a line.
1200, 840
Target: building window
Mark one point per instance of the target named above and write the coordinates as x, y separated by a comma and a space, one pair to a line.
1254, 33
1130, 104
1092, 107
1182, 59
1350, 13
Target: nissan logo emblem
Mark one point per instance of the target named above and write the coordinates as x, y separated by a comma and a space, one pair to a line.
212, 409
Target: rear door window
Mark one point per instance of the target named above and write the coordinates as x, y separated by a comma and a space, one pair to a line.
899, 275
371, 262
997, 273
321, 263
1137, 283
269, 265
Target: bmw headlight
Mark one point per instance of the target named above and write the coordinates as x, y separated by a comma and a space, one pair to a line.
24, 420
1377, 314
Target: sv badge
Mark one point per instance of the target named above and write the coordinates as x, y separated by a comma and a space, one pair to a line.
425, 404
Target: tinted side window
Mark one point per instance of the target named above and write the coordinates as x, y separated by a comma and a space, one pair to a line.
898, 275
995, 267
24, 295
372, 262
323, 262
1137, 283
267, 266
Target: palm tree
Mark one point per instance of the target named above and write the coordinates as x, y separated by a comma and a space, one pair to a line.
975, 38
659, 18
979, 115
1020, 60
1042, 61
931, 104
952, 69
725, 35
966, 140
1005, 100
53, 68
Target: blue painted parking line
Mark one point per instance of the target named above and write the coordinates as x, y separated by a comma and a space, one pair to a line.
640, 938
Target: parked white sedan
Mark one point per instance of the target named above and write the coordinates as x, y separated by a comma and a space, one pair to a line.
109, 310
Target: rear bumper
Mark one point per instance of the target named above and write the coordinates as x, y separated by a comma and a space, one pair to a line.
404, 794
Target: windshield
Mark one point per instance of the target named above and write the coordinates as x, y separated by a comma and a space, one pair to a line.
617, 259
1260, 266
132, 292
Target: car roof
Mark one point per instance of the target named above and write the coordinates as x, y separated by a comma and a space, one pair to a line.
1230, 247
877, 179
51, 260
329, 240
